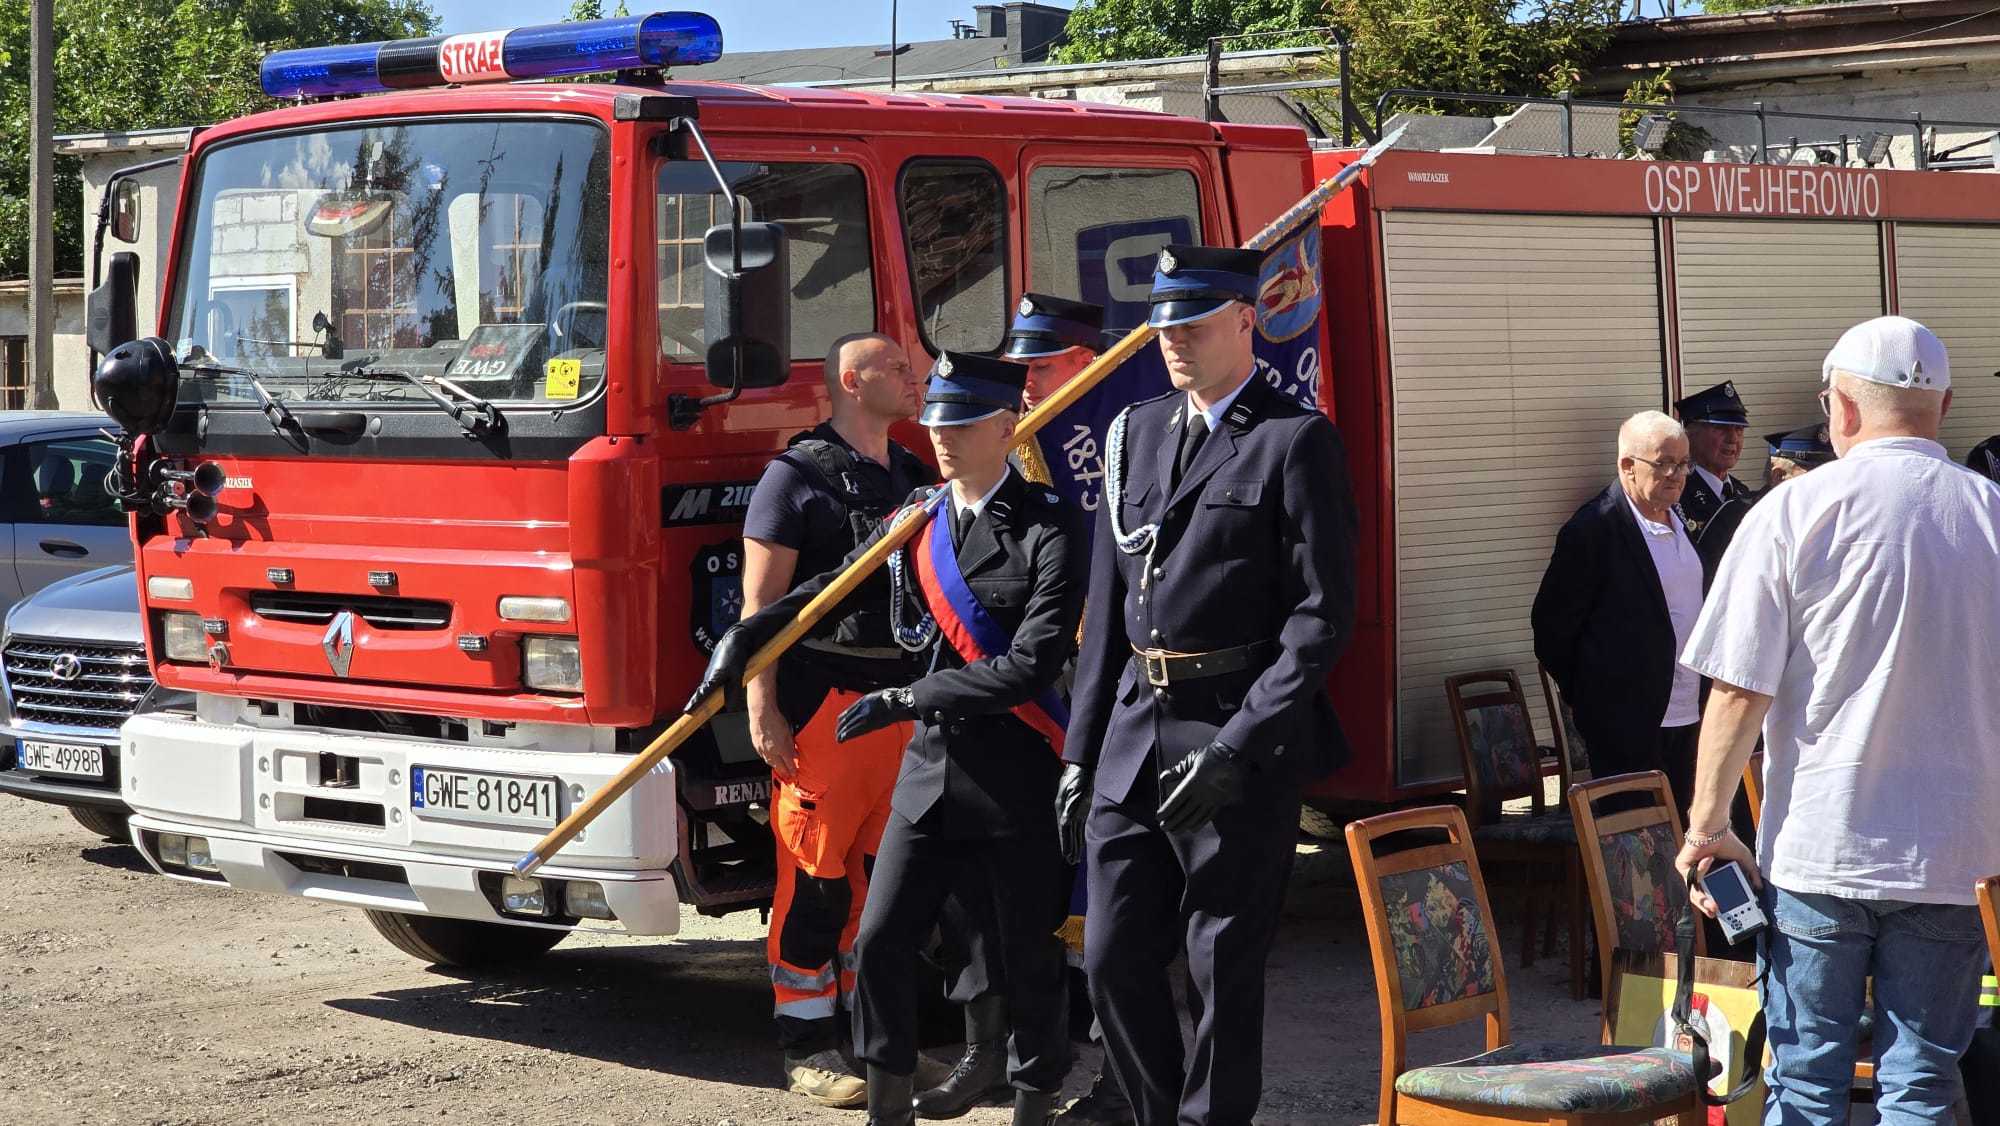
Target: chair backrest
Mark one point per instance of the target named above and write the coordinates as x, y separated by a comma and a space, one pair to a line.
1986, 890
1568, 741
1430, 933
1753, 787
1496, 740
1636, 896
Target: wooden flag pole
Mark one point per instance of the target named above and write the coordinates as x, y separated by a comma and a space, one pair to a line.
905, 527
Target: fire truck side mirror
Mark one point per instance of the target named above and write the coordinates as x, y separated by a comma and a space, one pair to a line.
125, 211
747, 311
111, 312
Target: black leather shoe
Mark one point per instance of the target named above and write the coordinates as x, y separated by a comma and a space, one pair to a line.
1034, 1108
888, 1099
980, 1079
1104, 1105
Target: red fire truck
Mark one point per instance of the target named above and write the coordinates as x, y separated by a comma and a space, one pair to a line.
465, 391
456, 424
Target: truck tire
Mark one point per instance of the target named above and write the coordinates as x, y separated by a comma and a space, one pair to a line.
463, 942
106, 823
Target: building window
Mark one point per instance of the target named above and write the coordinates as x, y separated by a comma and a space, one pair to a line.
13, 373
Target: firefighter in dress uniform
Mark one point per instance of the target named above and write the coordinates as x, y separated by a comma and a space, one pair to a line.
1792, 452
1715, 421
1055, 338
988, 594
1221, 591
829, 490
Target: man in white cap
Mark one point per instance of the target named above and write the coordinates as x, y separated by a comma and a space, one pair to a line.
1852, 619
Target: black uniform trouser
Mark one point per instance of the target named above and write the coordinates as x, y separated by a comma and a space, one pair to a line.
914, 871
969, 952
1217, 891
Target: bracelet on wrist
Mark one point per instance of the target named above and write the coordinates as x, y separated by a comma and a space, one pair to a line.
1702, 840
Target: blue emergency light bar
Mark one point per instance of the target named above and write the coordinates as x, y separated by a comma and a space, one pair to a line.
543, 51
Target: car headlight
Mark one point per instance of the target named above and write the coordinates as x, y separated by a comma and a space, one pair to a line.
182, 637
550, 664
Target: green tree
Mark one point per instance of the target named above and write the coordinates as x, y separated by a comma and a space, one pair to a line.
1718, 7
1478, 46
142, 64
1105, 30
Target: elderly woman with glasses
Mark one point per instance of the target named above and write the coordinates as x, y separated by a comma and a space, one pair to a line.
1620, 596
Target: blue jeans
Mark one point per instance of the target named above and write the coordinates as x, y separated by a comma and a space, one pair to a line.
1926, 960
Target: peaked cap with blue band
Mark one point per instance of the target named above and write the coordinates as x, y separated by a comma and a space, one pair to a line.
1807, 445
1718, 405
966, 388
1049, 326
1191, 282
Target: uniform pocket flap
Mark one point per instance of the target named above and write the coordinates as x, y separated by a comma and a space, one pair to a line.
1243, 494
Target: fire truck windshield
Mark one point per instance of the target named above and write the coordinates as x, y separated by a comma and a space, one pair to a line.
472, 249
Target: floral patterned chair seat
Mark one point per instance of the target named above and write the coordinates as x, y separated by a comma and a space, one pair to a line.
1592, 1079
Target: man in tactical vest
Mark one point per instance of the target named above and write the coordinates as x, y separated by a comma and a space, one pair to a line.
1221, 590
826, 493
987, 595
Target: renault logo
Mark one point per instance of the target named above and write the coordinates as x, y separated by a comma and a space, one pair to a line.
338, 644
66, 667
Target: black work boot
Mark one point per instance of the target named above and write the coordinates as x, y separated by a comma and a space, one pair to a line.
1105, 1105
888, 1098
1034, 1108
981, 1074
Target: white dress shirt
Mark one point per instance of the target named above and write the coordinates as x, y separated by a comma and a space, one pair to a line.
1218, 408
958, 506
1679, 568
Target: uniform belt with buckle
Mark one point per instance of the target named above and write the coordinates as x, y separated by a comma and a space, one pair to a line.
1164, 669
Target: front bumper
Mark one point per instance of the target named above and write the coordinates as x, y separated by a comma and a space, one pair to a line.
59, 789
277, 821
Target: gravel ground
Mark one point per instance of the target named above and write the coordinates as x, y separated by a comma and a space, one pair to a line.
131, 998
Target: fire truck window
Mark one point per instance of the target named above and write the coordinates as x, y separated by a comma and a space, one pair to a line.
954, 219
472, 249
824, 209
1094, 233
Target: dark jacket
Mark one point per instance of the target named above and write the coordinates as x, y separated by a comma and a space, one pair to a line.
1257, 543
1601, 624
1699, 503
972, 767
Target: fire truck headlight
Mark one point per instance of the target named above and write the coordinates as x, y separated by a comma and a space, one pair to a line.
552, 664
182, 638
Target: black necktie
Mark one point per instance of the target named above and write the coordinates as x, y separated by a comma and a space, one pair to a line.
963, 527
1191, 439
1729, 489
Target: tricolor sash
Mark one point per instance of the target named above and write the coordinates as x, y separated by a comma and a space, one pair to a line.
971, 631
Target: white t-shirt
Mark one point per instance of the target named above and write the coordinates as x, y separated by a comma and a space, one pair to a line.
1865, 598
1679, 567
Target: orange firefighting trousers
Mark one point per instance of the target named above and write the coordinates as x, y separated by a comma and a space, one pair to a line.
828, 820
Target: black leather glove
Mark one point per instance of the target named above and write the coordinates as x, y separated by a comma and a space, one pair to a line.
1072, 810
874, 712
725, 669
1199, 786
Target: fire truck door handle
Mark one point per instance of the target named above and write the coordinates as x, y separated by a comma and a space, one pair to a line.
65, 549
333, 422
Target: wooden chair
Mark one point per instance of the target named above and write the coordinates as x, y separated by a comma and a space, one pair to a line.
1572, 755
1437, 963
1636, 896
1496, 743
1753, 787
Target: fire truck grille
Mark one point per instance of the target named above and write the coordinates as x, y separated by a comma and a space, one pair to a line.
57, 682
378, 611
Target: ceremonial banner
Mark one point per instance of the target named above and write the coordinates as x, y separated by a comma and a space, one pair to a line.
1288, 344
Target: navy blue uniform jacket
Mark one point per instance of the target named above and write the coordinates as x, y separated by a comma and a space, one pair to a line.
1256, 544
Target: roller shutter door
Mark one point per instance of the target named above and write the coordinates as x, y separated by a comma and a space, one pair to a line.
1760, 304
1518, 344
1949, 278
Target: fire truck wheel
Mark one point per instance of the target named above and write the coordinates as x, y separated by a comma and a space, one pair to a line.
463, 942
106, 823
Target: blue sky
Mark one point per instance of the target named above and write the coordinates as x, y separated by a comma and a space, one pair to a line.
747, 25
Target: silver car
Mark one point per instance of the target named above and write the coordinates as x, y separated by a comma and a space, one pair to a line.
60, 520
72, 667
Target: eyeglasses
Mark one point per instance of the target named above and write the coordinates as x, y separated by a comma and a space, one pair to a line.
1668, 468
1826, 402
